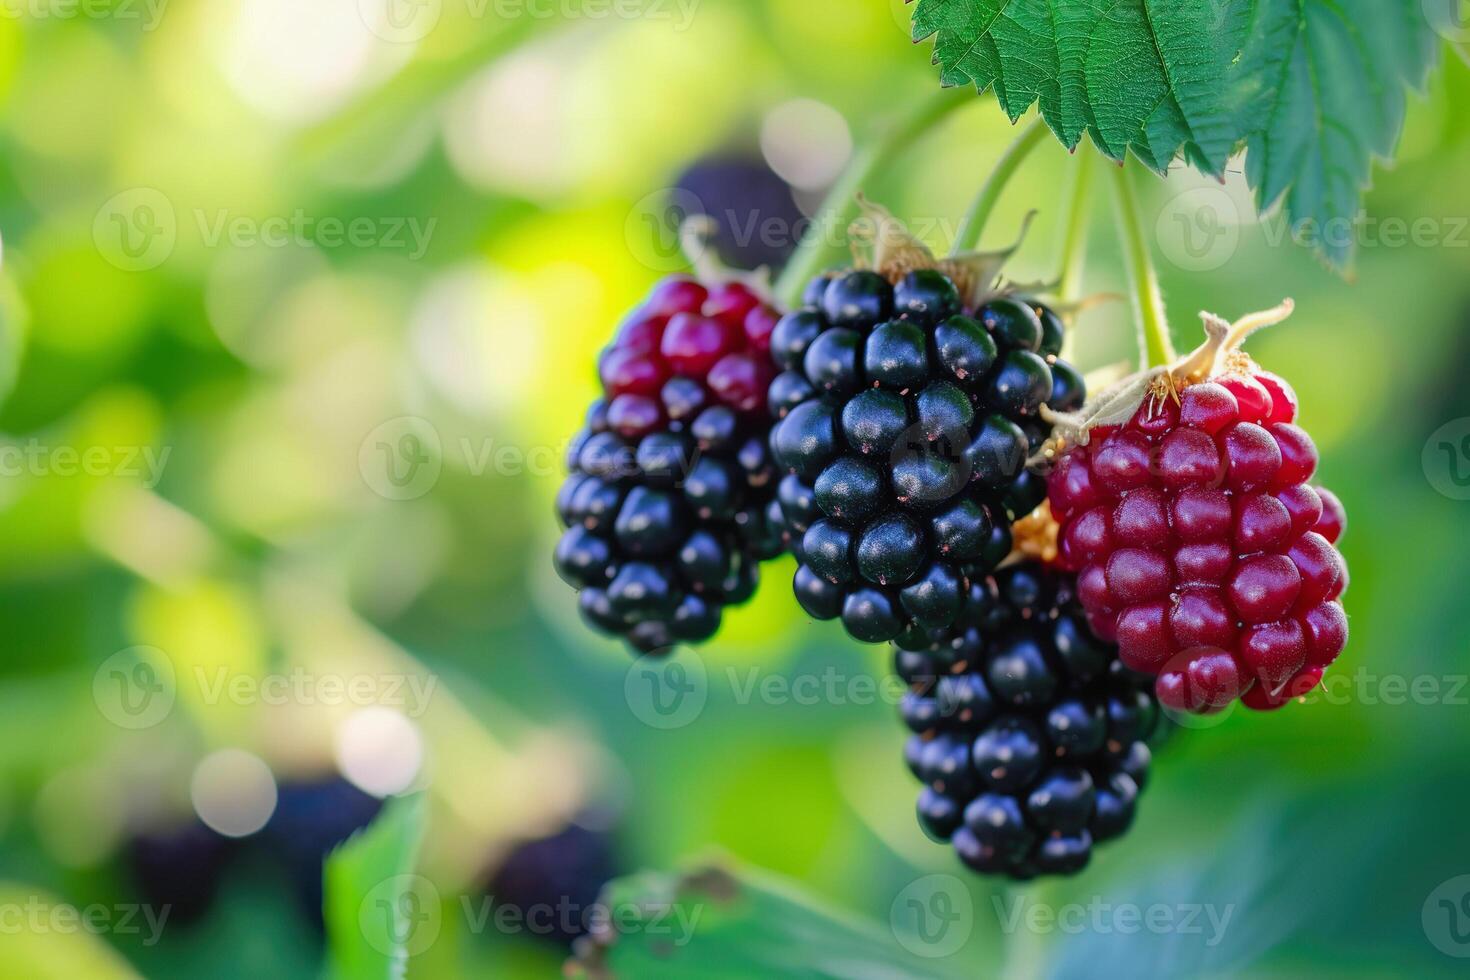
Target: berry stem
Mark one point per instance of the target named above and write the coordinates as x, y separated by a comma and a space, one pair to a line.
1148, 303
1074, 232
840, 207
973, 225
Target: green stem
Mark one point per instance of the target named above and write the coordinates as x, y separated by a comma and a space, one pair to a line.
1148, 303
1074, 233
840, 208
973, 226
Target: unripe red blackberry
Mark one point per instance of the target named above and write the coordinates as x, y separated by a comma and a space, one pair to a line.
908, 405
1199, 544
1029, 733
670, 504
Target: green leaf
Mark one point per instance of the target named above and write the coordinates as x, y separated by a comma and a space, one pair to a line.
1134, 74
377, 911
717, 925
1327, 81
1315, 89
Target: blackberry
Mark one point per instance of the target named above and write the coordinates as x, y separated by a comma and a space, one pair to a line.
1029, 733
670, 504
756, 216
904, 417
179, 868
564, 873
1199, 543
311, 820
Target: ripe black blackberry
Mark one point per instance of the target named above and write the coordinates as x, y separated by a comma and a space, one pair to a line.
670, 503
907, 408
1029, 734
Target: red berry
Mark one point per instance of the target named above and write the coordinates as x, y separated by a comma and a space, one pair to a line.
1142, 518
1143, 637
641, 333
1253, 398
1135, 575
693, 344
1188, 457
760, 323
1069, 487
1260, 698
1206, 681
740, 381
1298, 455
1283, 398
1208, 406
1326, 628
1197, 530
1200, 618
1305, 507
634, 416
632, 372
1274, 651
676, 295
1334, 518
1261, 524
1252, 456
1264, 588
1156, 416
731, 302
1122, 463
1089, 538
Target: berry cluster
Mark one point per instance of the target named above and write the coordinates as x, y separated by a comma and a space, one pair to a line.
670, 505
1029, 732
904, 424
1201, 548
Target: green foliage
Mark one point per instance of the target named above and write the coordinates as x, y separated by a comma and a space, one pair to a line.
1315, 89
371, 894
719, 925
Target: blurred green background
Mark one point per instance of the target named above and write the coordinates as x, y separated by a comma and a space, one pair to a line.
252, 246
